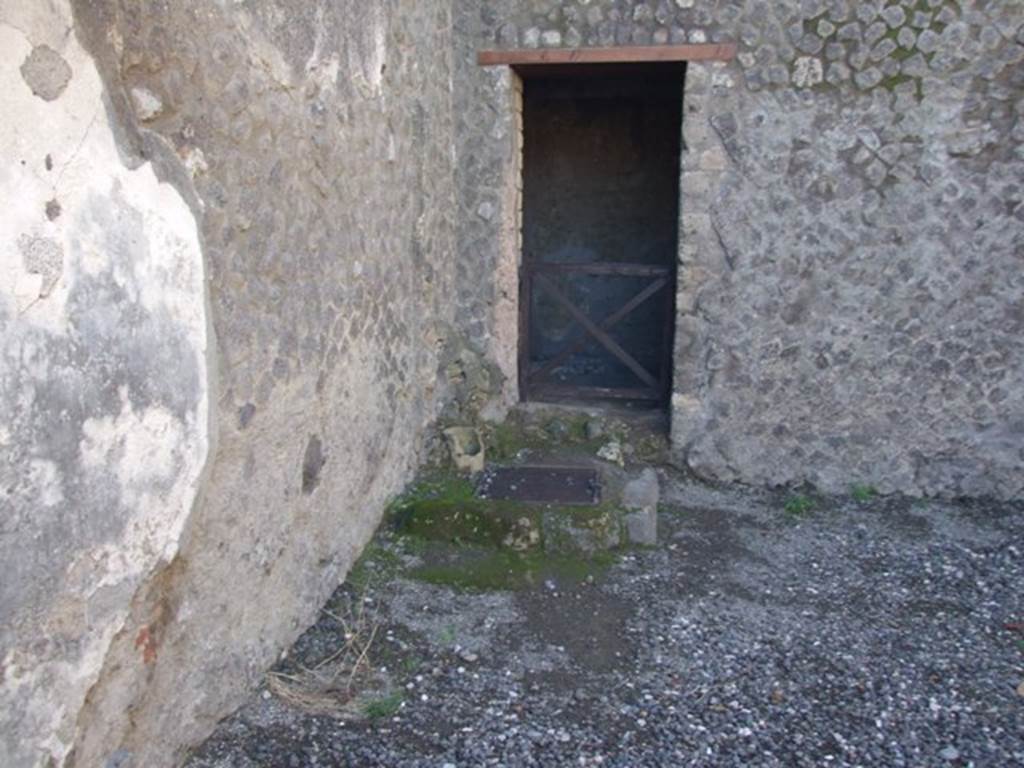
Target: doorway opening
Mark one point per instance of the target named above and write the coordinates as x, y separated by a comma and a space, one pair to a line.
600, 212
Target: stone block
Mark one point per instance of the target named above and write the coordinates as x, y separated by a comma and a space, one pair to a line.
642, 527
581, 532
640, 498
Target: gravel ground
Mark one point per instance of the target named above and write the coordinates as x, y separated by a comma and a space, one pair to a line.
878, 633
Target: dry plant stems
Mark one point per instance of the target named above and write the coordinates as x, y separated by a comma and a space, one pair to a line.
317, 689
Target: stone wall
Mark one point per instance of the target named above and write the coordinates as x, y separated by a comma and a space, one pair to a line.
851, 292
103, 379
274, 175
239, 235
488, 131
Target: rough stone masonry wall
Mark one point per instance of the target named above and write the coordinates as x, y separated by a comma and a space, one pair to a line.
275, 176
851, 285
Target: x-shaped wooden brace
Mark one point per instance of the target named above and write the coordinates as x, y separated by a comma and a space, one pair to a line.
600, 332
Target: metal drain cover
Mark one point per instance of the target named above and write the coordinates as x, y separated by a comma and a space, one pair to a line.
550, 485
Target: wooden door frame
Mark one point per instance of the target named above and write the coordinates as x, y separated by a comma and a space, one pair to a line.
535, 276
709, 82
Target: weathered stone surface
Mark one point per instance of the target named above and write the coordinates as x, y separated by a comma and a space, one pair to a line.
642, 527
611, 452
46, 72
894, 16
466, 448
103, 366
147, 104
523, 535
640, 498
311, 150
641, 492
807, 72
839, 321
331, 191
584, 533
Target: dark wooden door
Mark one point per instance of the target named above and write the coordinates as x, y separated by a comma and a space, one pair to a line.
600, 235
648, 287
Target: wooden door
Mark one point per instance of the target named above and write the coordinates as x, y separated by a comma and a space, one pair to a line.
600, 235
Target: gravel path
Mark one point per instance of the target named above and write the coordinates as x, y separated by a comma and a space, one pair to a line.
877, 633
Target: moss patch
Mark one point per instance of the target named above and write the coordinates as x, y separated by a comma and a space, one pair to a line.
485, 570
385, 706
798, 505
504, 442
482, 544
377, 564
862, 493
582, 529
444, 508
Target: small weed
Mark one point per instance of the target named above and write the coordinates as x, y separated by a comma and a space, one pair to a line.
863, 493
385, 706
798, 505
411, 663
447, 635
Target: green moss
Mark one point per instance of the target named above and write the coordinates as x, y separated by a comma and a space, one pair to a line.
891, 83
798, 505
503, 442
412, 545
652, 448
862, 493
459, 522
506, 570
902, 54
439, 486
448, 635
811, 24
377, 564
445, 508
385, 706
570, 529
442, 510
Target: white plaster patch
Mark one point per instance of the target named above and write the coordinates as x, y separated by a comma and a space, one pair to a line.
324, 73
367, 65
45, 480
49, 717
194, 161
65, 190
147, 104
140, 446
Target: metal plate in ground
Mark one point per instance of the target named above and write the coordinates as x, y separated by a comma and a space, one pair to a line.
546, 485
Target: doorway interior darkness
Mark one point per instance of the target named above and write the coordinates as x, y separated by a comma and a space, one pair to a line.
601, 150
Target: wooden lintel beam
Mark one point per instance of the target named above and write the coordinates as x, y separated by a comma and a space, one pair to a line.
634, 54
